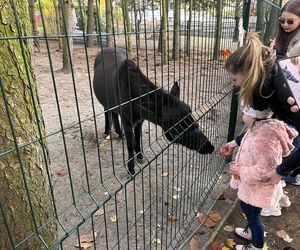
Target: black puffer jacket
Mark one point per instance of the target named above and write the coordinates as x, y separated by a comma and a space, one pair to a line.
274, 93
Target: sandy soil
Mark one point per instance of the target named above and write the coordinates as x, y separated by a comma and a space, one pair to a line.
88, 170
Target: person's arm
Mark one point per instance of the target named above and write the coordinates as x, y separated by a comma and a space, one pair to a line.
289, 163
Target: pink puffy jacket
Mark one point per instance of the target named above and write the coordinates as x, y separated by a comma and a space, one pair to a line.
261, 151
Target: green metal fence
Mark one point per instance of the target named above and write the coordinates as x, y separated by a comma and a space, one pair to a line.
63, 183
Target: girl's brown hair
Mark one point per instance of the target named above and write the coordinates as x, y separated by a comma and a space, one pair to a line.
283, 38
249, 61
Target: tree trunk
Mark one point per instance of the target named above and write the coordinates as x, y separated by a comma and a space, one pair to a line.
67, 27
176, 34
189, 29
271, 26
237, 17
23, 168
31, 5
218, 29
127, 25
108, 11
90, 23
162, 45
260, 21
58, 21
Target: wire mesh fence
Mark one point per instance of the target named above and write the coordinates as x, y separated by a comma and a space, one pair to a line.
65, 184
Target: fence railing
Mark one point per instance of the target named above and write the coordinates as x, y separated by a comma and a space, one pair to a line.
64, 184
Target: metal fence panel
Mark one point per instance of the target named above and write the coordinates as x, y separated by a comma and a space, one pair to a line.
90, 190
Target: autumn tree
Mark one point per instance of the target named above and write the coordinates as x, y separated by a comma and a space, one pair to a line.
176, 32
90, 23
25, 203
218, 29
67, 29
109, 29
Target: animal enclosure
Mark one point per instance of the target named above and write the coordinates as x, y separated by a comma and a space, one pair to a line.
93, 198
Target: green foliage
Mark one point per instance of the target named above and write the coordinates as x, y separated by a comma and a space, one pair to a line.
48, 10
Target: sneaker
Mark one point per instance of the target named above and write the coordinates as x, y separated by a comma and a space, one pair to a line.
283, 184
244, 232
284, 201
295, 180
272, 211
247, 247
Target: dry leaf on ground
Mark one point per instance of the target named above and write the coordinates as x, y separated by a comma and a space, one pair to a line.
62, 172
157, 240
215, 216
282, 234
228, 228
100, 212
87, 238
164, 174
218, 196
216, 244
194, 245
225, 248
113, 218
244, 216
230, 242
176, 196
172, 218
207, 222
84, 245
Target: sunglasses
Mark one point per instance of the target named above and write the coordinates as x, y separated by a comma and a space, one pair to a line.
282, 21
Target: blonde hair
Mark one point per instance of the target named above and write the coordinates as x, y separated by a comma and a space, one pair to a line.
249, 61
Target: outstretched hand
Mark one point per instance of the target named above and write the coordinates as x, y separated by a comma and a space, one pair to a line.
295, 108
227, 149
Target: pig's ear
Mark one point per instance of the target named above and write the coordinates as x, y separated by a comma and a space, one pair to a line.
175, 90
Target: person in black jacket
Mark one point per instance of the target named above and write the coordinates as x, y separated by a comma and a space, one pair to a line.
262, 87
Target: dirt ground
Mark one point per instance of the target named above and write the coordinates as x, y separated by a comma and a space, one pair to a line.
288, 221
88, 170
229, 208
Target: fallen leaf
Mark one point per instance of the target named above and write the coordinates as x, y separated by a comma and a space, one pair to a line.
84, 245
282, 234
229, 201
157, 240
218, 196
216, 244
230, 242
87, 238
215, 216
177, 189
207, 222
194, 245
176, 196
225, 248
107, 138
286, 192
172, 218
113, 218
265, 246
141, 212
100, 212
228, 228
244, 216
62, 172
164, 174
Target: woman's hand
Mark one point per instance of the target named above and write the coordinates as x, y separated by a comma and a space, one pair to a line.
227, 149
292, 102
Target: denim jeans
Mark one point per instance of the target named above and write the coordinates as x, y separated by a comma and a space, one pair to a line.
296, 143
254, 223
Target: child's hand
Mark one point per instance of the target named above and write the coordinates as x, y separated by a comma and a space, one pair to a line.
274, 177
234, 169
227, 149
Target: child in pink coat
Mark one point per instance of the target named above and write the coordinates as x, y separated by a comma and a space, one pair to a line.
262, 148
